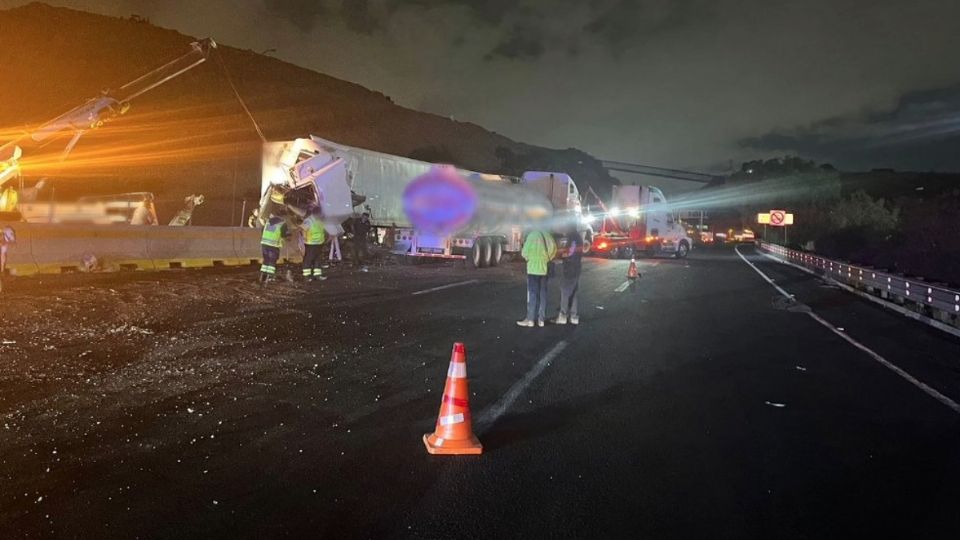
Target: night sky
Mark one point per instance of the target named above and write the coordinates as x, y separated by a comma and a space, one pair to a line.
677, 83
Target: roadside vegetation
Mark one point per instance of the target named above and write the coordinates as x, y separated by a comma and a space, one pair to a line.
900, 221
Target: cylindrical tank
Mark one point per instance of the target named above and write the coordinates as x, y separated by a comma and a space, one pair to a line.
444, 201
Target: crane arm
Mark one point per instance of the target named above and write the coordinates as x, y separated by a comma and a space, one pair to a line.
100, 109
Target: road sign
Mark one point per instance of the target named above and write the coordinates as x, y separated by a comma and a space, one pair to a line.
777, 218
763, 219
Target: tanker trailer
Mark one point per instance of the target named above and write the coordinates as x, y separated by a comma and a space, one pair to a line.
480, 217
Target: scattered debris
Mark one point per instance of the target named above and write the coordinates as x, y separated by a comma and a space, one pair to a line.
777, 405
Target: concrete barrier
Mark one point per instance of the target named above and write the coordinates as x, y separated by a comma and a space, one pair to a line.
55, 249
246, 243
67, 248
192, 247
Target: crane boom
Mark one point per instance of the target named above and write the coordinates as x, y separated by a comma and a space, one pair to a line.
96, 111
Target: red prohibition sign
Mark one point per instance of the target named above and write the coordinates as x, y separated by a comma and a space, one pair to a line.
777, 217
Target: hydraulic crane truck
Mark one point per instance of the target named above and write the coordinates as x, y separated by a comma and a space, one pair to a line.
92, 114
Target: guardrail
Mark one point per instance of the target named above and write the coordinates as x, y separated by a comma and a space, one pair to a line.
932, 301
55, 249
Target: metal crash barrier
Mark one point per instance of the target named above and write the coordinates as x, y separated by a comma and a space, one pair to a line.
929, 300
55, 249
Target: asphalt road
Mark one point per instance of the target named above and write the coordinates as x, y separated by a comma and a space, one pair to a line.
695, 403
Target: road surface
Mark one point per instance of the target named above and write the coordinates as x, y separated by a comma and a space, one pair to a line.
697, 403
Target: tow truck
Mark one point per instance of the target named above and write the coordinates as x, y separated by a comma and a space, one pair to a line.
639, 223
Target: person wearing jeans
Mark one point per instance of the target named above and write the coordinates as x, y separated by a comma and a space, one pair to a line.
538, 249
570, 278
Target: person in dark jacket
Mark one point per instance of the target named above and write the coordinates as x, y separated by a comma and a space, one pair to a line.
360, 227
570, 269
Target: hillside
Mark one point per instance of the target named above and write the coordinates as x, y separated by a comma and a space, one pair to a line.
191, 136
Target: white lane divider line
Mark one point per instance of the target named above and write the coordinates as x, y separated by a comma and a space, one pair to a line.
883, 361
493, 413
622, 287
447, 286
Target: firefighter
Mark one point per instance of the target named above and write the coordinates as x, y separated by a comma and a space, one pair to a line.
271, 242
314, 235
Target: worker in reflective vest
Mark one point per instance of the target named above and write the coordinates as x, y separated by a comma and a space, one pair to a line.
270, 243
314, 235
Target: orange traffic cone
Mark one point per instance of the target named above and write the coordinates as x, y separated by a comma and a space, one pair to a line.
632, 272
454, 432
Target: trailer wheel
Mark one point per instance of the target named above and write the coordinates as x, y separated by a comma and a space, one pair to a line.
496, 255
475, 256
486, 252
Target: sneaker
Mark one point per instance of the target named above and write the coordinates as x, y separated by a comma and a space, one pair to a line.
540, 323
574, 320
527, 323
561, 319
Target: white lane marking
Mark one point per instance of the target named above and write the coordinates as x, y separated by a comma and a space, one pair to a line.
764, 276
622, 287
442, 287
489, 416
883, 361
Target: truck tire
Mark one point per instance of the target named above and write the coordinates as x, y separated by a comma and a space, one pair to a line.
486, 252
475, 255
682, 250
496, 255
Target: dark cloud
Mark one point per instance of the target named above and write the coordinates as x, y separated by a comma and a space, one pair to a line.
487, 11
308, 15
922, 131
521, 42
622, 22
358, 16
303, 14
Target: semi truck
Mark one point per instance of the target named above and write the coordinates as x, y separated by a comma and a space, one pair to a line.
639, 221
456, 214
